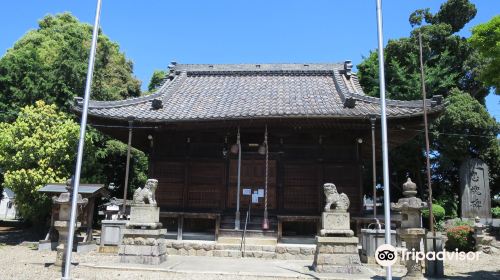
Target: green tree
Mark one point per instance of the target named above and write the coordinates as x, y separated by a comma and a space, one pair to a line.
452, 67
50, 64
156, 80
39, 147
466, 129
486, 40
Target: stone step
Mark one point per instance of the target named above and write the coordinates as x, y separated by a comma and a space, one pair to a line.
248, 247
248, 241
247, 254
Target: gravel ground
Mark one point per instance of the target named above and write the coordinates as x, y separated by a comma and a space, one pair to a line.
25, 262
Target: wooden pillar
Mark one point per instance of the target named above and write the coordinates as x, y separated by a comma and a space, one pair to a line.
185, 188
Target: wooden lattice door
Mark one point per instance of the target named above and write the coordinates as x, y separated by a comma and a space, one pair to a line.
253, 174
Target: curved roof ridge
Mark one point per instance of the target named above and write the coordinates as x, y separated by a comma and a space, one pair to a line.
258, 67
167, 83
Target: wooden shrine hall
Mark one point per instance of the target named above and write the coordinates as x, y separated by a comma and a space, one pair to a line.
219, 136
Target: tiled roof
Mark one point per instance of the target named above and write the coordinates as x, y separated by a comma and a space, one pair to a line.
199, 92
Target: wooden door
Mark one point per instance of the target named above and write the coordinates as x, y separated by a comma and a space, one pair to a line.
253, 174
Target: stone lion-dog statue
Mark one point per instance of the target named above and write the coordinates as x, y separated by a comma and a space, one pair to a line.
339, 200
146, 195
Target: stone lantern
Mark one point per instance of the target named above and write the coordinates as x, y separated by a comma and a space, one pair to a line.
411, 231
61, 224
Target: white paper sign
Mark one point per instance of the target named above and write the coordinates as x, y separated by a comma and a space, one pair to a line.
255, 198
247, 191
261, 192
112, 208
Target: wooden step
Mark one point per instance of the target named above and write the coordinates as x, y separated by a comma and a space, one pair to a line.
249, 233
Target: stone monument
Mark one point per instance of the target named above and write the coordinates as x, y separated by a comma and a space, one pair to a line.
411, 231
475, 189
62, 222
336, 247
143, 239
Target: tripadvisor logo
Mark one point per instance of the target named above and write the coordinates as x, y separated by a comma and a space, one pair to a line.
387, 255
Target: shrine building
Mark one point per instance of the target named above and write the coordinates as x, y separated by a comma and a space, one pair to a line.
275, 132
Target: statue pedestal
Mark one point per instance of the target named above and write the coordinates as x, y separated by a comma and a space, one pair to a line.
143, 246
144, 215
336, 223
337, 255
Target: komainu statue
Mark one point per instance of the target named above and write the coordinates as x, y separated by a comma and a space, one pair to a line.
339, 200
146, 195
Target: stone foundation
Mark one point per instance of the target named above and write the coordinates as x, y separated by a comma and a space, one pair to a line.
143, 246
213, 249
337, 255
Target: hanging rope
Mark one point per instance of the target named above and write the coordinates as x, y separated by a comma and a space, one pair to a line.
267, 171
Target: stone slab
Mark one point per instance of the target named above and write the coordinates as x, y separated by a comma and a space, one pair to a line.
85, 247
145, 232
46, 245
337, 240
151, 260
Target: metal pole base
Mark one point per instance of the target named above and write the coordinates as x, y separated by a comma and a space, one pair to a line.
237, 221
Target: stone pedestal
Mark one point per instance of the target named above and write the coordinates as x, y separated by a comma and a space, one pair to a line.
62, 228
112, 232
143, 246
337, 255
412, 237
336, 223
336, 248
434, 268
145, 215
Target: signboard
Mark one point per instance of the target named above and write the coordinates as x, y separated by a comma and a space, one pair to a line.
247, 191
112, 208
261, 192
255, 197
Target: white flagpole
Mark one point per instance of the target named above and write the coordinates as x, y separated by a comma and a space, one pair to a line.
81, 143
385, 157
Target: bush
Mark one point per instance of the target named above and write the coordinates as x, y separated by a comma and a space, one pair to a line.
495, 212
439, 214
460, 237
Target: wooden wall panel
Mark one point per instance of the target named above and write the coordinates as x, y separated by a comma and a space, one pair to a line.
346, 178
206, 185
171, 176
300, 187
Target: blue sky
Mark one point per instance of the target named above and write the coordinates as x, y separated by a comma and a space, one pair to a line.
154, 32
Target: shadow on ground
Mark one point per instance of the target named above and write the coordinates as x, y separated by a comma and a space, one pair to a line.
17, 232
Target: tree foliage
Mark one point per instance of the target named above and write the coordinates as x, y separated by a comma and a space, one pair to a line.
486, 40
39, 147
450, 61
50, 64
156, 80
453, 67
